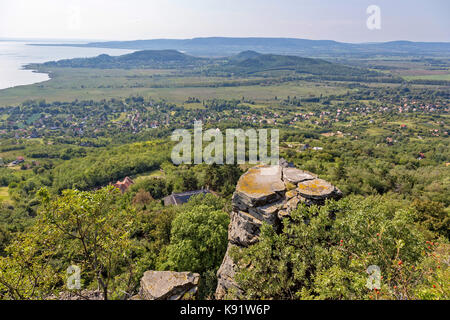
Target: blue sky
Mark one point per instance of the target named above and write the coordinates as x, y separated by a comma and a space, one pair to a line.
341, 20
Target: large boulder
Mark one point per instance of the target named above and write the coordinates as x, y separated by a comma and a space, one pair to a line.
259, 186
294, 175
168, 285
267, 194
318, 189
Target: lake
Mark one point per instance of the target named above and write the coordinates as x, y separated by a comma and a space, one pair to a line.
15, 54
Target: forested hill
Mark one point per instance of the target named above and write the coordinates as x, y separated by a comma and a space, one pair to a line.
223, 46
145, 59
245, 63
250, 62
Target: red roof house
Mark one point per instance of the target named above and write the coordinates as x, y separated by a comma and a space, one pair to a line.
124, 185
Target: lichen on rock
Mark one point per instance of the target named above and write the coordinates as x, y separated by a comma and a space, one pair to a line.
267, 194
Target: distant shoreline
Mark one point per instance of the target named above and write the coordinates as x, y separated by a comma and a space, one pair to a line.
223, 46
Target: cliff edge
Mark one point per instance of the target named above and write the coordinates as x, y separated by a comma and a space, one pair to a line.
267, 194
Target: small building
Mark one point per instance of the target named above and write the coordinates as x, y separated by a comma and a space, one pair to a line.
19, 160
305, 147
183, 197
124, 185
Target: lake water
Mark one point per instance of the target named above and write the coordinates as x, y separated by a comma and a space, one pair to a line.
14, 55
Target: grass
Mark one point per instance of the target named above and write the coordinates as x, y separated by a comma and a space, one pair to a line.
4, 195
86, 84
153, 174
374, 131
429, 77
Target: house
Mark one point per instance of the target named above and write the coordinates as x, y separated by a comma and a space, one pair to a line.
17, 161
183, 197
305, 147
389, 141
124, 185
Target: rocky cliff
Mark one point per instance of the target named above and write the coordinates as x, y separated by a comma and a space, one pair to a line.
267, 194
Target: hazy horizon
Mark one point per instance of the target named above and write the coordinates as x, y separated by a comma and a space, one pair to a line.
102, 20
60, 40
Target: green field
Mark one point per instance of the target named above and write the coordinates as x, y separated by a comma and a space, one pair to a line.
85, 84
445, 77
4, 195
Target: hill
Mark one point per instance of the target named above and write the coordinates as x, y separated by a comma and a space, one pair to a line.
244, 64
146, 59
250, 62
222, 46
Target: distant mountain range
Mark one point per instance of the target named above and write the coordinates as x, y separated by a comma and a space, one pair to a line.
221, 47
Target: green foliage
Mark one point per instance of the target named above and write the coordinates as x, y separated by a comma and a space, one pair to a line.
198, 240
324, 252
378, 137
28, 272
433, 217
157, 187
153, 59
213, 202
88, 229
109, 166
246, 65
435, 284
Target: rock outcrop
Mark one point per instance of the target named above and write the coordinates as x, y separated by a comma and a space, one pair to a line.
267, 194
168, 285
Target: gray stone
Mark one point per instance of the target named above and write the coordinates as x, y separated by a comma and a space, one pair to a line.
317, 189
168, 285
259, 185
282, 214
291, 193
294, 175
285, 164
266, 213
266, 194
292, 205
225, 275
243, 229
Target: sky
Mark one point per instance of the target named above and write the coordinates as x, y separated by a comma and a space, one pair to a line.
340, 20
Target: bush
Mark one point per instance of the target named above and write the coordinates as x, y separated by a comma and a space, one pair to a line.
325, 252
198, 240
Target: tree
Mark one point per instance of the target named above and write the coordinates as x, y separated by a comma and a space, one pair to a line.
198, 240
142, 198
87, 229
325, 252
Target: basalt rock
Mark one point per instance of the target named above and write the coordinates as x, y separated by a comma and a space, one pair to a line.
168, 285
260, 185
318, 190
267, 194
294, 175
